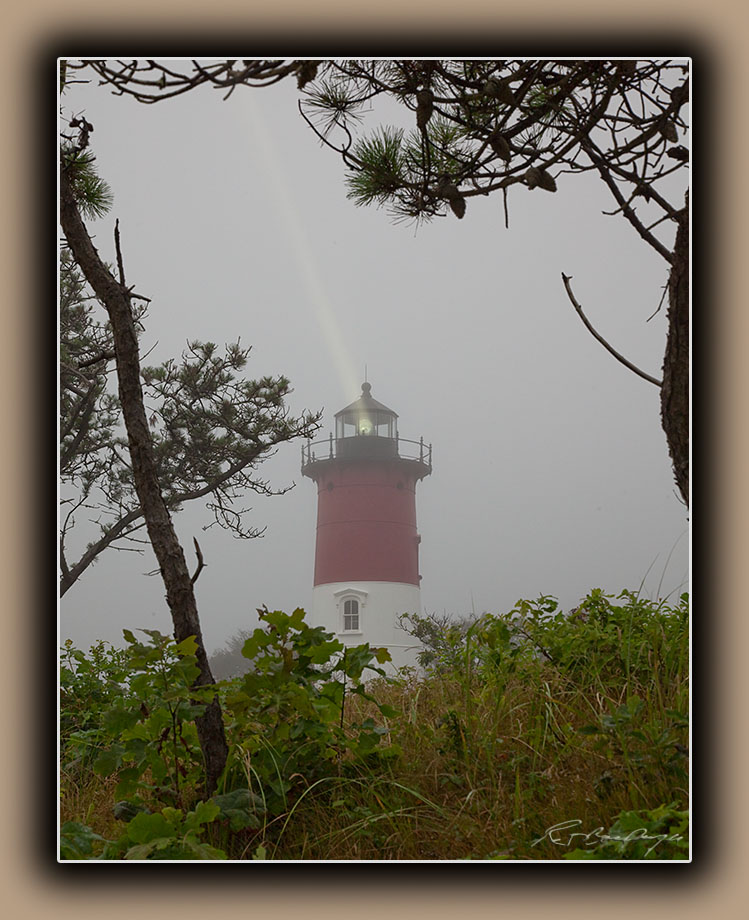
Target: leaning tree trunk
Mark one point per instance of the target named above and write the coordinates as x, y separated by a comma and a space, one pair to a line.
179, 589
675, 389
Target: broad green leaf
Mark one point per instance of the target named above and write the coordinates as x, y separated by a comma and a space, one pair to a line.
144, 850
188, 646
120, 719
128, 781
193, 849
76, 840
108, 761
146, 828
203, 813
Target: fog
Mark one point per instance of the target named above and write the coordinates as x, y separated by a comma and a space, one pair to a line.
551, 472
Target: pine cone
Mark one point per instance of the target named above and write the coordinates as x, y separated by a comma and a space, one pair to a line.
499, 145
306, 72
668, 130
445, 188
536, 177
424, 107
499, 90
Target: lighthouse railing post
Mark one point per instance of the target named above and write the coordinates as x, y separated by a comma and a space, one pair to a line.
331, 445
421, 450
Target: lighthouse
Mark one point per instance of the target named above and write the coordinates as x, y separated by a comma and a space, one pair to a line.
367, 546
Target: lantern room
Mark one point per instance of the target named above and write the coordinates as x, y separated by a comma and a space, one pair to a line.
366, 417
366, 428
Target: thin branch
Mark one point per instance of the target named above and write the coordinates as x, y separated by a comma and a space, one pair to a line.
119, 251
660, 303
626, 209
108, 355
83, 428
600, 338
117, 529
201, 564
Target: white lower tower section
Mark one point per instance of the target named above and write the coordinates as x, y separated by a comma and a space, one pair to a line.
367, 611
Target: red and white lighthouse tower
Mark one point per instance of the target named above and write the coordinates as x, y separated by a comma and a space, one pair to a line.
367, 550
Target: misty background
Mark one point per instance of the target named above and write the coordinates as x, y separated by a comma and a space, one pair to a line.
551, 472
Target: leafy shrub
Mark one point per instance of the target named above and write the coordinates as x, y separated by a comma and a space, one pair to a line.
286, 728
287, 712
89, 685
153, 742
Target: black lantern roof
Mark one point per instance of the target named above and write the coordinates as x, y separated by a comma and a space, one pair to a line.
365, 403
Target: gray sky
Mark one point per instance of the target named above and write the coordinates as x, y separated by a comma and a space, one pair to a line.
551, 471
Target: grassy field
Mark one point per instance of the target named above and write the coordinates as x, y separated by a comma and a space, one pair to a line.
534, 735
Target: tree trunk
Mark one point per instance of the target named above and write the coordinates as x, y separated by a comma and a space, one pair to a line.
179, 590
675, 389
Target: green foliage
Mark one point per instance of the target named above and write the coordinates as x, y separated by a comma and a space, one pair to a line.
487, 125
93, 195
89, 685
394, 167
167, 834
171, 834
528, 694
286, 727
660, 833
77, 841
207, 420
211, 428
525, 737
150, 727
241, 808
632, 640
643, 746
287, 711
442, 640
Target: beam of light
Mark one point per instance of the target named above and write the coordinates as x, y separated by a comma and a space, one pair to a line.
318, 298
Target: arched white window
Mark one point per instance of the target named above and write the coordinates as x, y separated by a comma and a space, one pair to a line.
351, 603
351, 615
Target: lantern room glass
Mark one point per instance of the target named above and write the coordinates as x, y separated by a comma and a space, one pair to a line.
365, 423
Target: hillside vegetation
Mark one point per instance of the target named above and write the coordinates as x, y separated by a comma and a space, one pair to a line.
533, 735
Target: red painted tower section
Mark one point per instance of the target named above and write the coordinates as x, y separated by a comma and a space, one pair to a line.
366, 507
366, 521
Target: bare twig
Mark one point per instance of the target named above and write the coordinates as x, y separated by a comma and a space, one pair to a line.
600, 338
660, 303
